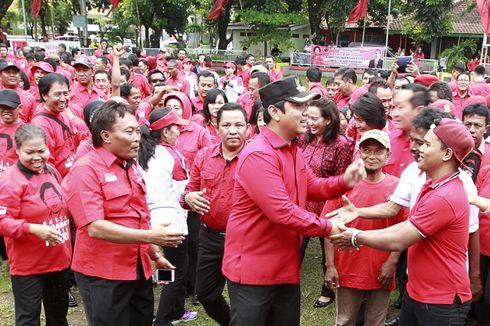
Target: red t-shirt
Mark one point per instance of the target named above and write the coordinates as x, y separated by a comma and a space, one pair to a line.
359, 268
483, 185
180, 82
99, 188
8, 155
81, 96
192, 138
31, 198
211, 171
28, 104
319, 89
142, 83
437, 264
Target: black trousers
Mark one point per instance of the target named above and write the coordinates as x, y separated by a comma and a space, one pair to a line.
401, 275
482, 307
210, 281
325, 291
414, 313
172, 298
51, 289
264, 305
121, 303
194, 225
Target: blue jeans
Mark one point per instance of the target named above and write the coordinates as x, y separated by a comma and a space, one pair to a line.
414, 313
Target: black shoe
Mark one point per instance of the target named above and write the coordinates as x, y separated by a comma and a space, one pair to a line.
195, 300
72, 302
322, 304
393, 322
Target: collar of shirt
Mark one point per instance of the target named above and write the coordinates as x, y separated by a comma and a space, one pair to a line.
110, 158
442, 181
276, 140
28, 173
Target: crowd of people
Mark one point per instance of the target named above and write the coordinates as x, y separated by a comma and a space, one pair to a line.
115, 164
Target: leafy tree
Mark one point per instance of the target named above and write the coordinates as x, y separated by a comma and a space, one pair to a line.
459, 53
4, 6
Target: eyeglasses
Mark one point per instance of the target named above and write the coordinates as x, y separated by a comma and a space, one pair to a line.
157, 80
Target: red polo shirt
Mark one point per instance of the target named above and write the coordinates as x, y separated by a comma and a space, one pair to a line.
22, 204
483, 185
359, 269
274, 74
458, 102
180, 82
198, 103
99, 188
479, 88
340, 100
437, 264
62, 143
401, 155
8, 155
81, 96
245, 77
263, 235
211, 171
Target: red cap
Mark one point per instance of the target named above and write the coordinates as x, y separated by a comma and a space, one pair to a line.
152, 62
44, 66
444, 105
170, 118
455, 136
426, 80
473, 99
230, 65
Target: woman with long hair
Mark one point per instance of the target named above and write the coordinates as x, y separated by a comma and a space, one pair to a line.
163, 169
215, 99
328, 154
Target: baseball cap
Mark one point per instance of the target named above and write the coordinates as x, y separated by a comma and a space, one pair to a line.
44, 66
378, 135
9, 98
286, 89
8, 64
257, 68
230, 65
84, 61
426, 80
455, 136
170, 118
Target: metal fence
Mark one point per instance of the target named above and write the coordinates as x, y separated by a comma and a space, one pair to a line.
304, 59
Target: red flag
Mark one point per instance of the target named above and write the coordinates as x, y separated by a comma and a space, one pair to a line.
216, 11
36, 7
114, 3
484, 9
358, 12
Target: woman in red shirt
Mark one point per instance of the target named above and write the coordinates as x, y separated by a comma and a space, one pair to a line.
34, 221
215, 99
327, 153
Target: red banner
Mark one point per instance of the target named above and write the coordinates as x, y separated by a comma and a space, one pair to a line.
353, 57
484, 9
36, 7
216, 11
358, 12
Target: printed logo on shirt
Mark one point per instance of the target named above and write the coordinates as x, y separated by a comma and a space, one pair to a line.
110, 177
3, 210
51, 197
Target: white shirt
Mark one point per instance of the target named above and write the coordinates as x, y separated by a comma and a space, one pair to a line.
411, 182
163, 192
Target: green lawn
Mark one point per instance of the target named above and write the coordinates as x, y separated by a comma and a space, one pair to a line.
310, 289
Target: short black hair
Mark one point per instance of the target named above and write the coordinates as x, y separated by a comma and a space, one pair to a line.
126, 89
240, 60
126, 62
262, 77
314, 74
231, 107
206, 74
443, 90
104, 60
25, 80
379, 83
105, 117
125, 72
346, 74
48, 80
428, 116
330, 81
100, 71
370, 108
459, 67
480, 70
478, 109
28, 131
420, 96
134, 59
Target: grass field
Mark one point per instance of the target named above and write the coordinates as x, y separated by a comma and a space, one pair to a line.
312, 279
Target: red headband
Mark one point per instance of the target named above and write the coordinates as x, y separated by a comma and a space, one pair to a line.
167, 120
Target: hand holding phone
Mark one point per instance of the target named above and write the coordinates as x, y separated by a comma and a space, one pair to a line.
165, 275
402, 63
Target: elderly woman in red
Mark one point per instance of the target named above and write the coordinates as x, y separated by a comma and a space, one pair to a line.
34, 222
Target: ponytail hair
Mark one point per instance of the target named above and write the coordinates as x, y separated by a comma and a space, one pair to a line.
150, 138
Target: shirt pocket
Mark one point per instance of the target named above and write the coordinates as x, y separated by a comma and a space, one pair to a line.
113, 190
209, 180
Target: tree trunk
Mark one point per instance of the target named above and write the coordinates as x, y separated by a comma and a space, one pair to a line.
147, 36
315, 14
223, 21
4, 6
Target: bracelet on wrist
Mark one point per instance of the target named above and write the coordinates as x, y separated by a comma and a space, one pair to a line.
156, 255
353, 239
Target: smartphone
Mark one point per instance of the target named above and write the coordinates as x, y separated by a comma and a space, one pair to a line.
165, 275
402, 63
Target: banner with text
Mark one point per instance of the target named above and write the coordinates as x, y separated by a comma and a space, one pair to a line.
353, 57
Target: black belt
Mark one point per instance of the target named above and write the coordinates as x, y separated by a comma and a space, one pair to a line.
222, 233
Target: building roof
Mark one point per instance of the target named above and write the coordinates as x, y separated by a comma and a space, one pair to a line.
464, 22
